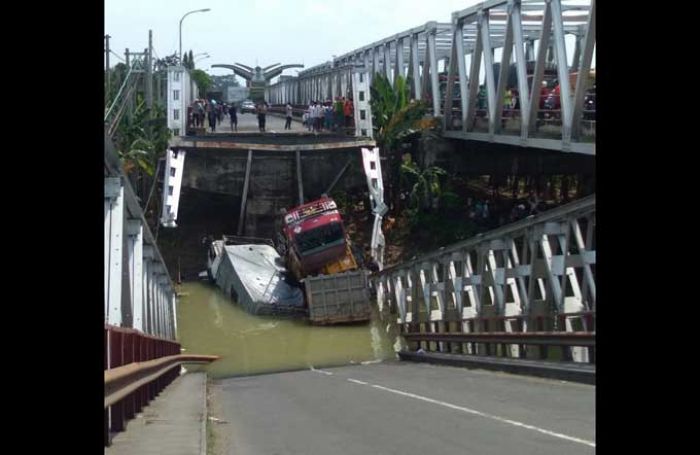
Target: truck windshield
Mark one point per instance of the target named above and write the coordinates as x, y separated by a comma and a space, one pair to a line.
320, 238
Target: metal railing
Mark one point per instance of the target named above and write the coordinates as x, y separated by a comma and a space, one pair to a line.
137, 368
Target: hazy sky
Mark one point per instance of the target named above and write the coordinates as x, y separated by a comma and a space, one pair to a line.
266, 31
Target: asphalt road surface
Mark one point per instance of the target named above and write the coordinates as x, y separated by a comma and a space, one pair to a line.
401, 408
249, 123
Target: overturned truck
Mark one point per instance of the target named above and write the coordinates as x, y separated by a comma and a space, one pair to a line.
312, 271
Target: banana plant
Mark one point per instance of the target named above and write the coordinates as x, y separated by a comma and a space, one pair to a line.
426, 183
395, 116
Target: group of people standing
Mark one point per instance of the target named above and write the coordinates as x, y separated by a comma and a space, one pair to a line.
329, 115
213, 113
202, 110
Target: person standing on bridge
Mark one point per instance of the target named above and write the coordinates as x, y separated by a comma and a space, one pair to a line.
348, 112
310, 116
338, 107
262, 111
328, 116
234, 117
212, 117
288, 123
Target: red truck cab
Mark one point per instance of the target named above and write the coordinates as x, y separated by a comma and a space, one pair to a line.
315, 235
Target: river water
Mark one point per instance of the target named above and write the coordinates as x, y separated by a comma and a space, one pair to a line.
208, 322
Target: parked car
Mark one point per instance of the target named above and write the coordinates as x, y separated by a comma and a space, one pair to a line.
247, 106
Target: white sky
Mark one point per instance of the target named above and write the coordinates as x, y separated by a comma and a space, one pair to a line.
266, 31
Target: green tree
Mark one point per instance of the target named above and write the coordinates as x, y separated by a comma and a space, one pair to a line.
190, 60
141, 139
203, 81
117, 76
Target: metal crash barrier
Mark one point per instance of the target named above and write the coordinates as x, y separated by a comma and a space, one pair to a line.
137, 368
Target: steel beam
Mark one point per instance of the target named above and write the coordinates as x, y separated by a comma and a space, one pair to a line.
114, 231
462, 70
449, 90
135, 232
539, 68
414, 70
244, 196
398, 63
299, 180
503, 76
562, 69
520, 63
434, 83
387, 62
483, 21
582, 79
474, 80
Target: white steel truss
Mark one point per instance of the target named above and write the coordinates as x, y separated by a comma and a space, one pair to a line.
541, 268
426, 56
138, 291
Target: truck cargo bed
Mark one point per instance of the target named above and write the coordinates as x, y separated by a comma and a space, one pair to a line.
338, 298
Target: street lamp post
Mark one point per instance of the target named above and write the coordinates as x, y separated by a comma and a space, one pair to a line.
183, 18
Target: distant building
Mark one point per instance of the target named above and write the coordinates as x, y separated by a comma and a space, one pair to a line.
180, 94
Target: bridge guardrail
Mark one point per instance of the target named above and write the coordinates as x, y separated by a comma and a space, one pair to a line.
122, 381
137, 368
532, 338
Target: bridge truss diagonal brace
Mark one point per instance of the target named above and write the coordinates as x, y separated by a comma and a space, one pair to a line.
585, 66
520, 63
562, 68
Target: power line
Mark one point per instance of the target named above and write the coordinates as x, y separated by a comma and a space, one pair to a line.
117, 55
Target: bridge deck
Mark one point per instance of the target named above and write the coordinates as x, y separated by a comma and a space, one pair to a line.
276, 138
403, 408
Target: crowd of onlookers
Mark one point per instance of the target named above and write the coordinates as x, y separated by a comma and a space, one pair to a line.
202, 112
319, 116
329, 115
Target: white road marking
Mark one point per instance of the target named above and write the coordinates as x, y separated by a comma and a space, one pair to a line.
489, 416
321, 371
467, 410
478, 413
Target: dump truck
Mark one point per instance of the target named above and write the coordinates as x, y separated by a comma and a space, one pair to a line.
318, 254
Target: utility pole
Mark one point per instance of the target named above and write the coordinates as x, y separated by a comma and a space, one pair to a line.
107, 90
130, 105
149, 72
